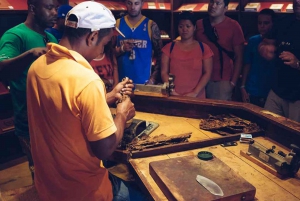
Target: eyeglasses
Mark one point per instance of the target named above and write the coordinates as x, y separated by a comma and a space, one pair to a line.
46, 39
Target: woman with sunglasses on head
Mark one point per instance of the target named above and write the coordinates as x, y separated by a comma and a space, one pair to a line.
188, 60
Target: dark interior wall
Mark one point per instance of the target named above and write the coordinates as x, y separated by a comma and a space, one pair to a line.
9, 20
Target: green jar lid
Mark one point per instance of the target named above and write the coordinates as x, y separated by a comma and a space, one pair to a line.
205, 155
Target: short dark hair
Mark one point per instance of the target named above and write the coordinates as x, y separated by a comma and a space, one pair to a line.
187, 15
75, 33
32, 2
226, 2
269, 12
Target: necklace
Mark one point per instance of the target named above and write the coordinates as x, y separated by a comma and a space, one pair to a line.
100, 58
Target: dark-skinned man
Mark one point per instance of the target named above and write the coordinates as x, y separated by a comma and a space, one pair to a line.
71, 126
58, 29
225, 37
283, 44
134, 52
19, 47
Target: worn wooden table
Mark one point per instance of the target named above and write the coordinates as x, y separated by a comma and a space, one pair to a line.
268, 187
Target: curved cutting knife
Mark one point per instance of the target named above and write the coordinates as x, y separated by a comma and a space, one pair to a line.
210, 185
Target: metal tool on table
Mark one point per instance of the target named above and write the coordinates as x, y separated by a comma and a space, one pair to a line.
147, 130
284, 164
164, 89
137, 129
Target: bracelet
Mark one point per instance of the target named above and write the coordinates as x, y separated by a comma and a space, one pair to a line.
232, 83
243, 86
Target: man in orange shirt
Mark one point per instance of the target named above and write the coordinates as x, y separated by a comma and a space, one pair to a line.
225, 37
70, 123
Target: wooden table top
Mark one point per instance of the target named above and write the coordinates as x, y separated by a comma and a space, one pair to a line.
268, 186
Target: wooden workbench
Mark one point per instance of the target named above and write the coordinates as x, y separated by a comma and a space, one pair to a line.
268, 187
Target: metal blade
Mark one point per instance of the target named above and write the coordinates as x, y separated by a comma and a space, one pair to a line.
210, 185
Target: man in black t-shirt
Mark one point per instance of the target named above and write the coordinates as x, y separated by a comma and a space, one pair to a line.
283, 44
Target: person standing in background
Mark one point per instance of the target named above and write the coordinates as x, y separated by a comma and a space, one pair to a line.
282, 43
258, 73
105, 65
225, 37
188, 60
134, 53
19, 47
58, 29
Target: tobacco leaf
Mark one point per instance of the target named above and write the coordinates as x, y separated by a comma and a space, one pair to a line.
225, 124
156, 141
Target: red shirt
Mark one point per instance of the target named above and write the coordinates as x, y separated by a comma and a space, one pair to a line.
104, 68
187, 67
230, 35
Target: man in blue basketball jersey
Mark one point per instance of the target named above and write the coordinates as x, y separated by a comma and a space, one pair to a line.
134, 52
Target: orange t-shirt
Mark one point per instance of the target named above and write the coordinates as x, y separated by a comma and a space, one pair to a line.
104, 68
66, 109
187, 67
230, 35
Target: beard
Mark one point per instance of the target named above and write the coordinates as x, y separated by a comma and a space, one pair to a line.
134, 15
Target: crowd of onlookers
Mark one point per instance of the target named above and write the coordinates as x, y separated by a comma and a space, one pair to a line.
64, 119
211, 59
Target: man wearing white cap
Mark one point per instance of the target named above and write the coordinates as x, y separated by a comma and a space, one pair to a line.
70, 123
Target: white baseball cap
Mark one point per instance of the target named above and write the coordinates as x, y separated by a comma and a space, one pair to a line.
92, 15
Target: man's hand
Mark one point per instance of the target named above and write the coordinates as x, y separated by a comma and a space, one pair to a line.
125, 87
39, 51
126, 109
289, 59
122, 88
127, 46
245, 95
12, 68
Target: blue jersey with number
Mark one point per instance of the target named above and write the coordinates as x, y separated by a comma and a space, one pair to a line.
135, 64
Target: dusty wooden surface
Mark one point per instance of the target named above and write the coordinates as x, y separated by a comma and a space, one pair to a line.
268, 187
176, 177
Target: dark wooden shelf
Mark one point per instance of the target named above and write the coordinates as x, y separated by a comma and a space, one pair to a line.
264, 5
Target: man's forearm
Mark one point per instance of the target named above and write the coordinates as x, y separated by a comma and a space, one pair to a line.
238, 62
105, 147
245, 73
120, 121
157, 46
110, 98
12, 68
155, 74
